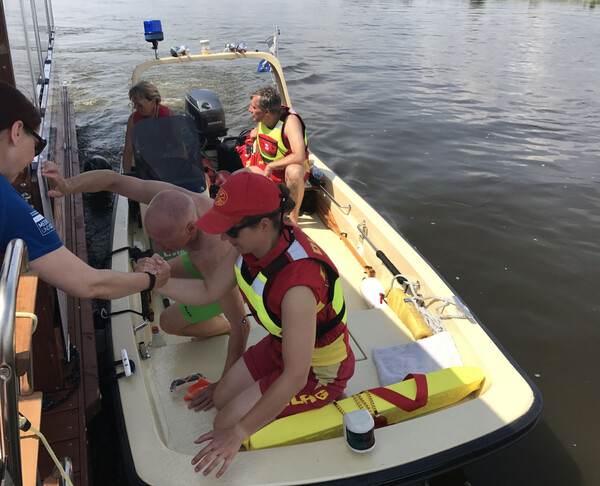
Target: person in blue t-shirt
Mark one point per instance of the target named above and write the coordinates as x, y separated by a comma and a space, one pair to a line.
19, 144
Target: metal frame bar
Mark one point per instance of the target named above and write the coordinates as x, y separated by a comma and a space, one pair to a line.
15, 262
231, 56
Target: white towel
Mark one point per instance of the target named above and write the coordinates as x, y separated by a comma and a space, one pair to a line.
434, 353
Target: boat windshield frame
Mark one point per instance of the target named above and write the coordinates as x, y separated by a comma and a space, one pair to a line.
276, 68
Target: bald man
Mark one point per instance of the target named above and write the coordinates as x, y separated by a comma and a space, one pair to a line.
169, 221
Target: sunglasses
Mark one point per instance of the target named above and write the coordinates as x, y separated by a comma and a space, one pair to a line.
40, 142
234, 231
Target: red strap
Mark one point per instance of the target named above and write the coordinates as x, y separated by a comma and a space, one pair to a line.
401, 401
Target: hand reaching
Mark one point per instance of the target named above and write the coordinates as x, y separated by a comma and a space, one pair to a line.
58, 185
253, 134
203, 400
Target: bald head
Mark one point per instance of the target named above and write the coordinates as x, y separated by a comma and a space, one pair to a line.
169, 213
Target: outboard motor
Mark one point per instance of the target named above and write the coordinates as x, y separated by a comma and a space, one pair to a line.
204, 107
206, 110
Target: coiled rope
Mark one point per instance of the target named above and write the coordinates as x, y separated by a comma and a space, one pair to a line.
434, 322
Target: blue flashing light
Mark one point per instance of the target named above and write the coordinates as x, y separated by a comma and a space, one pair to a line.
153, 31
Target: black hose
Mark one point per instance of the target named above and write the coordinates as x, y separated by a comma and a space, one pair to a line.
390, 266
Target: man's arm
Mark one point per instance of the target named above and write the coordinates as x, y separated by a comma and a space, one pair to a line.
106, 180
191, 291
62, 269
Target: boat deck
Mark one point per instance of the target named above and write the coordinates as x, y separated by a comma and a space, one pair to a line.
182, 356
161, 429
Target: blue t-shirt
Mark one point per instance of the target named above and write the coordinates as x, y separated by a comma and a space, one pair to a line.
19, 220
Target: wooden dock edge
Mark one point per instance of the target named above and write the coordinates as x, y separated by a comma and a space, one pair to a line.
65, 426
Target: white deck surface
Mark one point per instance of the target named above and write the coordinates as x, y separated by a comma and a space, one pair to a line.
181, 426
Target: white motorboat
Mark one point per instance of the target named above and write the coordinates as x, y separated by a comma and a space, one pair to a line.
480, 400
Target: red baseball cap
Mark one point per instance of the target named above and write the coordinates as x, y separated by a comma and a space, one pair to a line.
244, 194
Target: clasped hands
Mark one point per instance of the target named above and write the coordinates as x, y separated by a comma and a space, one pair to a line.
155, 265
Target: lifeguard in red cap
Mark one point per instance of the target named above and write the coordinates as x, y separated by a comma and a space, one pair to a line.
293, 290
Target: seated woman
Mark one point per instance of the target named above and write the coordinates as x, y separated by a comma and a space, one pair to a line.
146, 101
293, 290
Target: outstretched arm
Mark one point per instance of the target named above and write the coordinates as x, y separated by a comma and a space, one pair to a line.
233, 308
232, 304
62, 269
200, 292
106, 180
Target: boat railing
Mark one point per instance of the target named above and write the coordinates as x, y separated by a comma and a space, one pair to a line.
277, 70
15, 263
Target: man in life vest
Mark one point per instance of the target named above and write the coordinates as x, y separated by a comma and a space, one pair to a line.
293, 290
281, 149
146, 102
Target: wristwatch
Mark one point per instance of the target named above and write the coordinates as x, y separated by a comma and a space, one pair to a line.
152, 281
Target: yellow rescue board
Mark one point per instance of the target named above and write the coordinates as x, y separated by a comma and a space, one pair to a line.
445, 387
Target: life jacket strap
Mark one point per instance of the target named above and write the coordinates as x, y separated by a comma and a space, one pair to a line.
401, 401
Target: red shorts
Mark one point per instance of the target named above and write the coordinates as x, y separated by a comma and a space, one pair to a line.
265, 363
277, 175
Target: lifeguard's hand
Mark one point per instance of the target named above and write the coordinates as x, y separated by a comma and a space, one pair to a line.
223, 446
203, 400
58, 185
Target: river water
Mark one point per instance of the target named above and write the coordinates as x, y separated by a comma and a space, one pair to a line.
471, 126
